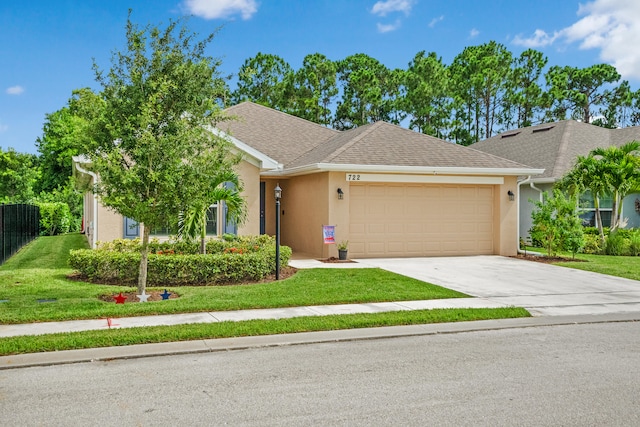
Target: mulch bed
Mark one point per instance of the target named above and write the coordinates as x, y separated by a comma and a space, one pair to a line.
336, 260
545, 259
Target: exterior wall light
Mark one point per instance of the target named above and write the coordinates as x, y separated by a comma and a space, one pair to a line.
512, 196
340, 194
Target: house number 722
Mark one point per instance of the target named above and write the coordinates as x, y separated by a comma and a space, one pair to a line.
353, 177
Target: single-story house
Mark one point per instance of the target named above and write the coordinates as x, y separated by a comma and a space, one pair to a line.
555, 148
389, 191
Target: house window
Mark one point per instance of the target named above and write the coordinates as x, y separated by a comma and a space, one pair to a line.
211, 227
212, 220
588, 210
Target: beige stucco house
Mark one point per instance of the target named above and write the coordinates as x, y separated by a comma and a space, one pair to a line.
389, 191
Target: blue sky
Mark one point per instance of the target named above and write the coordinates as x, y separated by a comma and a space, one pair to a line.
47, 46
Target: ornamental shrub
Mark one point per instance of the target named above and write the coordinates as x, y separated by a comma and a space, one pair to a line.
244, 259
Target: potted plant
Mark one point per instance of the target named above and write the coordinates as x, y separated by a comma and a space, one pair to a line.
343, 248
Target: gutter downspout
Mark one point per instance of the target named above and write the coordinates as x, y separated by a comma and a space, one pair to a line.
95, 205
532, 185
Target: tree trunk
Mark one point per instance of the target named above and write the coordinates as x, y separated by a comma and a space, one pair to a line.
596, 202
144, 251
615, 217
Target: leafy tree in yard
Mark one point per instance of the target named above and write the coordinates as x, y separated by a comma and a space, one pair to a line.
587, 174
149, 144
225, 187
622, 172
556, 223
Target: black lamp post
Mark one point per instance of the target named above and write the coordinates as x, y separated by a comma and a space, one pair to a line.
278, 194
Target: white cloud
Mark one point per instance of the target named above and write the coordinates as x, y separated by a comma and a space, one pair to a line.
434, 21
611, 26
15, 90
215, 9
383, 8
385, 28
474, 33
539, 38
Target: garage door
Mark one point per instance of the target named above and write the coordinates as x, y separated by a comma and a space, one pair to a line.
396, 220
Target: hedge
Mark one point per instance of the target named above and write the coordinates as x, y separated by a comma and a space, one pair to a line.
245, 259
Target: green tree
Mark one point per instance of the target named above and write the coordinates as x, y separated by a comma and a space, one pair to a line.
587, 174
18, 175
60, 141
556, 223
621, 167
265, 79
149, 144
426, 100
525, 97
578, 90
479, 77
366, 87
225, 187
315, 88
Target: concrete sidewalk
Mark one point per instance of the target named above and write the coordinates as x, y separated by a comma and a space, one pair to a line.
238, 315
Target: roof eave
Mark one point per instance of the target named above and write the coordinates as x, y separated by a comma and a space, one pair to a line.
356, 168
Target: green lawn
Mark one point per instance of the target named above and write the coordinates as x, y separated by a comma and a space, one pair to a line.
35, 286
621, 266
39, 273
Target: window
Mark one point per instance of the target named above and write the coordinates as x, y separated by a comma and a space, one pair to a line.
588, 210
212, 220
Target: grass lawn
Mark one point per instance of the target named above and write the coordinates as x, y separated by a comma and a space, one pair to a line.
36, 289
620, 266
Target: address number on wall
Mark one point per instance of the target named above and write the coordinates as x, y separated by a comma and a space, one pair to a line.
354, 177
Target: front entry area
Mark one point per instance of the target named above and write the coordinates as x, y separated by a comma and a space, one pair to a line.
405, 220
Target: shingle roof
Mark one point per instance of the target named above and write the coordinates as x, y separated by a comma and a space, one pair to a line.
281, 136
383, 143
554, 146
296, 143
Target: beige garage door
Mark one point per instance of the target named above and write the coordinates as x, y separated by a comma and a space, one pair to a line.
396, 220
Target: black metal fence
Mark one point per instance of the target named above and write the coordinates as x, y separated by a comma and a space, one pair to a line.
19, 224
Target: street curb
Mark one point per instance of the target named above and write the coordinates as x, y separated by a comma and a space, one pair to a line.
242, 343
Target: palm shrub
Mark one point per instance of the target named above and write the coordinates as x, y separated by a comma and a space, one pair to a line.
634, 243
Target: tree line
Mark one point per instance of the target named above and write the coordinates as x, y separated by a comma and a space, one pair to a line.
484, 91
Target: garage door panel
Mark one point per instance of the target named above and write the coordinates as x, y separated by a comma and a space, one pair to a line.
420, 220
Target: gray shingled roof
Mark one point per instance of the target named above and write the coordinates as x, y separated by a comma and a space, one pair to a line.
383, 143
281, 136
554, 147
295, 143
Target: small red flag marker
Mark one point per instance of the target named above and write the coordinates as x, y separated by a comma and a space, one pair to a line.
120, 299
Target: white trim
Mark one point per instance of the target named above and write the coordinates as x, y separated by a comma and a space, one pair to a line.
262, 161
426, 179
424, 170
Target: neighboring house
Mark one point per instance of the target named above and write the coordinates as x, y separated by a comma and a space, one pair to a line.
389, 191
555, 147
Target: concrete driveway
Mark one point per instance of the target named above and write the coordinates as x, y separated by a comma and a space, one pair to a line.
543, 289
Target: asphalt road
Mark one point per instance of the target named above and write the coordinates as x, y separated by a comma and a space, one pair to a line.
576, 375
